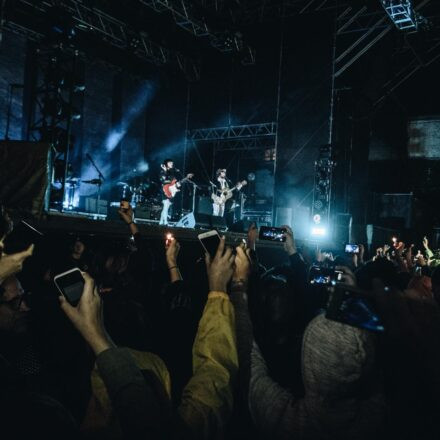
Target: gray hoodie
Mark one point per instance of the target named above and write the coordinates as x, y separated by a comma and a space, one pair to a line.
343, 398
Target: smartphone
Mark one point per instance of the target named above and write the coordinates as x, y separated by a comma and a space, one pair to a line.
326, 276
272, 234
350, 306
352, 248
71, 285
210, 241
21, 237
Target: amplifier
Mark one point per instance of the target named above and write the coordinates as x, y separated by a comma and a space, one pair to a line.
91, 205
148, 212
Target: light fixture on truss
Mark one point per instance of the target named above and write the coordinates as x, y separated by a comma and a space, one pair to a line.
402, 14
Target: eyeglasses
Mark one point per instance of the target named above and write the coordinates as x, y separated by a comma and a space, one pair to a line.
15, 303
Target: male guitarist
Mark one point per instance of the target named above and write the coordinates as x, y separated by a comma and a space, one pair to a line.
223, 192
170, 186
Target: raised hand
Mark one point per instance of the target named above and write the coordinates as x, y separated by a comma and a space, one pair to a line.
252, 235
126, 214
400, 246
242, 264
361, 253
425, 242
87, 316
289, 244
172, 251
13, 263
220, 268
420, 259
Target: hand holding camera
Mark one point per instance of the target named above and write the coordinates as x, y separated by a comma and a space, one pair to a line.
87, 316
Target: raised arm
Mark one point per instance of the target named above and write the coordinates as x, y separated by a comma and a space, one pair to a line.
207, 399
133, 400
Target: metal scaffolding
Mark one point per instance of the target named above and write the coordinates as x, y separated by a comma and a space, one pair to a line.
235, 132
186, 17
253, 141
401, 13
113, 32
372, 25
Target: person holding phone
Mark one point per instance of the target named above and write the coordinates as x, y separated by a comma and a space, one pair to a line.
127, 215
207, 400
10, 264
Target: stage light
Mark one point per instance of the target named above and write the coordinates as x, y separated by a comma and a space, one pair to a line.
318, 231
401, 13
143, 166
317, 219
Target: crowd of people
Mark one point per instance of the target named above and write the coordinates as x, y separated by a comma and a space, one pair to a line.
163, 346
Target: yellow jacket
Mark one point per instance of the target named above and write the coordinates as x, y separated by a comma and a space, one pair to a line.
207, 399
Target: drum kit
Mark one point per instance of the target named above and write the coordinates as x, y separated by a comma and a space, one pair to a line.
139, 192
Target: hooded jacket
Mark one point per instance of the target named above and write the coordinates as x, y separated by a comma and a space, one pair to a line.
343, 398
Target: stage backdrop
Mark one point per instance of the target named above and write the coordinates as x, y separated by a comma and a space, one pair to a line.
24, 175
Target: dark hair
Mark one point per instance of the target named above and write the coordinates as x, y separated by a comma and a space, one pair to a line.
167, 160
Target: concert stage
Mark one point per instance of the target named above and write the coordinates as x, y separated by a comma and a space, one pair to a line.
62, 224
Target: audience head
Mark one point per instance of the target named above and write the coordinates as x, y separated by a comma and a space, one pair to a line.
14, 311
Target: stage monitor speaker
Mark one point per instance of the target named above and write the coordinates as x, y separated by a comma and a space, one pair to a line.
187, 221
92, 203
148, 212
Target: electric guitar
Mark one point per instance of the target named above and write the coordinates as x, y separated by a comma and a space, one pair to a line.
172, 188
224, 195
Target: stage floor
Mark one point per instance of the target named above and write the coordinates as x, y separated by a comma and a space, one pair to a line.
75, 223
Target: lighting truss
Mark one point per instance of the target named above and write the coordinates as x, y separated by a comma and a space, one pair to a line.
181, 11
233, 132
402, 13
366, 28
246, 144
185, 17
321, 205
257, 11
119, 34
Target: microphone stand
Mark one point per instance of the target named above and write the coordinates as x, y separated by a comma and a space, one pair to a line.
195, 188
100, 179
